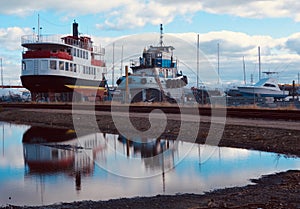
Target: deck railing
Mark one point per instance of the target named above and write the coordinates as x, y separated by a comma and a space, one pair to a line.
59, 39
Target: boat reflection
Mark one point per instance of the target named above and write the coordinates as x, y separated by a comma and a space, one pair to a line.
154, 152
51, 151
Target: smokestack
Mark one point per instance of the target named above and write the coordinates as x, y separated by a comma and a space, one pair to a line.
75, 29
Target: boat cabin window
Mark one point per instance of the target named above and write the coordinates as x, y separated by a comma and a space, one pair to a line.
23, 65
44, 65
53, 64
29, 64
67, 66
74, 68
61, 65
71, 67
269, 85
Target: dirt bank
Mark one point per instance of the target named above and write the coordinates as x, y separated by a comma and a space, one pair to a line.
249, 134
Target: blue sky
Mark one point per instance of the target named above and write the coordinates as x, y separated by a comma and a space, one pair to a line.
239, 28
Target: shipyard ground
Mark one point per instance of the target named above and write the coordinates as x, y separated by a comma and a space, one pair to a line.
274, 191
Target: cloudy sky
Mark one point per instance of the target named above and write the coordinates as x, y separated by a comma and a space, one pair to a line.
238, 27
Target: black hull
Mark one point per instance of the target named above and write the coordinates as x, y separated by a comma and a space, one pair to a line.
38, 134
52, 83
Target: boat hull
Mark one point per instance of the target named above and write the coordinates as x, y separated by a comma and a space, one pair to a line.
54, 83
262, 92
145, 88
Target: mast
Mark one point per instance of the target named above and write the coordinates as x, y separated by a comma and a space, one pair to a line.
218, 63
113, 66
39, 28
121, 62
1, 72
259, 64
244, 69
198, 43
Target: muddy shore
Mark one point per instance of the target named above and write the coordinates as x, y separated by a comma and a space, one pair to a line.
274, 191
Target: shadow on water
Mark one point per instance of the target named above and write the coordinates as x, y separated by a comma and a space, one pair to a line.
37, 162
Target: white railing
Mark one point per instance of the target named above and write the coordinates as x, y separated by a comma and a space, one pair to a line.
30, 39
99, 50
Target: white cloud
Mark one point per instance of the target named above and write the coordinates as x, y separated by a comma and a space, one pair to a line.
11, 37
10, 52
276, 54
254, 8
23, 7
133, 13
282, 55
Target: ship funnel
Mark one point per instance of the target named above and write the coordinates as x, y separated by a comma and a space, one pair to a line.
75, 29
161, 35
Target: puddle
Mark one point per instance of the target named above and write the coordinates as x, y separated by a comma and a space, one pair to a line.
41, 166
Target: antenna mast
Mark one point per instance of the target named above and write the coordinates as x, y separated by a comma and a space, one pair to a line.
1, 73
244, 69
198, 41
39, 29
218, 63
161, 35
259, 64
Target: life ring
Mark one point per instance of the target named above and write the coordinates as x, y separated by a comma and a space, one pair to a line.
143, 81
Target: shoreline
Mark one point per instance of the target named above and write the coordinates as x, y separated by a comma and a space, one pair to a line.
281, 190
256, 134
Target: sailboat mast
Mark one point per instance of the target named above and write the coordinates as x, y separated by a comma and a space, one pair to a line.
259, 64
218, 63
244, 69
1, 72
113, 66
198, 43
121, 62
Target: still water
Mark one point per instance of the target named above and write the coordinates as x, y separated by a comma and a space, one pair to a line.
41, 166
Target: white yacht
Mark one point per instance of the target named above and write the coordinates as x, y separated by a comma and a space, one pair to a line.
265, 87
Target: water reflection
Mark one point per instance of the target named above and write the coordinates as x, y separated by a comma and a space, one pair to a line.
50, 151
43, 166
